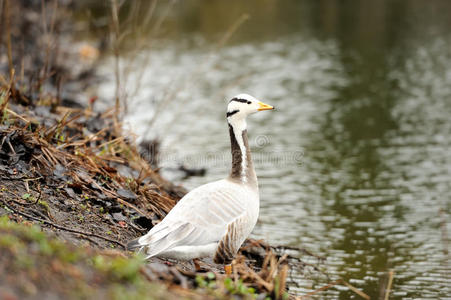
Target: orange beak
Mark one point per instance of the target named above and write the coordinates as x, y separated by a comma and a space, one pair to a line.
264, 106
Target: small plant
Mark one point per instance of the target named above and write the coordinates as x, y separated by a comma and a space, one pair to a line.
44, 205
211, 284
207, 282
60, 137
5, 117
238, 288
26, 196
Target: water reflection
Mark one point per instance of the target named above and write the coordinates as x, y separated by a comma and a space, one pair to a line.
363, 92
357, 123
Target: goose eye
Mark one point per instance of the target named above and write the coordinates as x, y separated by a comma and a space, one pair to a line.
249, 102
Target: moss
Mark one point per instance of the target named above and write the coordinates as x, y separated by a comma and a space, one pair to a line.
32, 233
225, 288
141, 290
72, 273
120, 268
8, 241
61, 252
44, 205
24, 262
6, 224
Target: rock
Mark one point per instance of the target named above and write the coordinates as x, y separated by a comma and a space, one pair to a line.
59, 171
118, 216
127, 194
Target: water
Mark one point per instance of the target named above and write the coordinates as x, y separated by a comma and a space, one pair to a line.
355, 163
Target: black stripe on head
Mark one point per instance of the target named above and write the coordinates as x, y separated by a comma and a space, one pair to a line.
240, 100
231, 113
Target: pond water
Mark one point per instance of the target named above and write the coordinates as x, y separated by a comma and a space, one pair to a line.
355, 163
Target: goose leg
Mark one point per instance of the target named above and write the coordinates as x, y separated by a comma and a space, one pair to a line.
228, 269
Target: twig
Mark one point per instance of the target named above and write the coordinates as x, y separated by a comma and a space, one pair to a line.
27, 187
357, 291
62, 227
390, 281
11, 147
136, 228
243, 18
27, 204
282, 281
1, 14
334, 283
7, 93
268, 286
444, 231
8, 45
132, 207
89, 239
323, 288
121, 138
17, 115
115, 34
48, 31
305, 251
11, 178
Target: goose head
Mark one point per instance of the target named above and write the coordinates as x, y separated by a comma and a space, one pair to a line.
243, 105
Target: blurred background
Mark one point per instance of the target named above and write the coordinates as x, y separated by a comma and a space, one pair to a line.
355, 163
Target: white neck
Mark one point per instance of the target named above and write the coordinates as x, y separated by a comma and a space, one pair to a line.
238, 123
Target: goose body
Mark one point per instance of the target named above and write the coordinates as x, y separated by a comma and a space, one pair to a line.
214, 219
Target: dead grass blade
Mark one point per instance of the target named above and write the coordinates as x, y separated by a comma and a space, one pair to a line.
355, 290
323, 288
390, 281
334, 283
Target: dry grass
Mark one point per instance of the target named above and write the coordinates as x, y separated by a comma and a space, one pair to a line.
85, 162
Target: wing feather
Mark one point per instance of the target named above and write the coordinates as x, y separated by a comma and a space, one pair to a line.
201, 217
231, 242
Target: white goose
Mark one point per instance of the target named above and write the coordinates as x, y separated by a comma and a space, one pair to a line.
214, 219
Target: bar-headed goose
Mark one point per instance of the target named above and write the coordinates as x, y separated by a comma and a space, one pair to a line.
214, 219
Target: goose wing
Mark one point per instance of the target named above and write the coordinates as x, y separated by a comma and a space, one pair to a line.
199, 218
230, 243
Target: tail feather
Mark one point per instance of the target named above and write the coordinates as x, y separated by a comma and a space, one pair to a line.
161, 238
133, 244
168, 240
